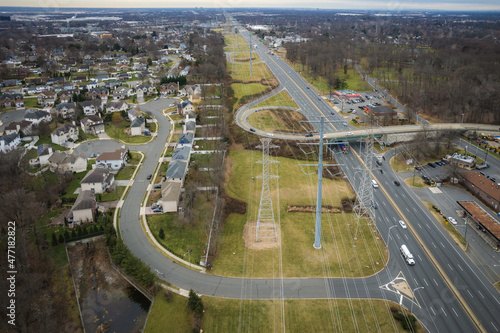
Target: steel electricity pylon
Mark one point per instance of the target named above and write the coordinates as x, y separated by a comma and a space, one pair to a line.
364, 194
266, 224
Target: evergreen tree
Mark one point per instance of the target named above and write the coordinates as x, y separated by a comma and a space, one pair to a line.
54, 239
60, 239
161, 234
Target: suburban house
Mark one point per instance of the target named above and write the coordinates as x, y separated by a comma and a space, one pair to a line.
65, 96
185, 140
47, 98
170, 194
122, 93
91, 107
482, 187
92, 125
11, 100
169, 89
134, 113
66, 110
24, 127
191, 91
64, 133
185, 107
181, 154
116, 106
176, 171
97, 180
9, 142
189, 125
44, 152
80, 78
98, 93
61, 162
138, 126
37, 116
146, 90
83, 209
113, 160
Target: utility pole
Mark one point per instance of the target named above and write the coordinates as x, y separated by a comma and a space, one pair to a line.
317, 228
250, 43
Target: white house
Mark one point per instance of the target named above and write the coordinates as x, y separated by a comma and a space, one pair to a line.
64, 133
116, 106
97, 180
83, 209
91, 108
137, 126
9, 141
170, 194
113, 160
61, 162
44, 152
37, 116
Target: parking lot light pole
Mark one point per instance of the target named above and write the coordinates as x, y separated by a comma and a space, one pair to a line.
389, 235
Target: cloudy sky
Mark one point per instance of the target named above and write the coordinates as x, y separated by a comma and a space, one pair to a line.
390, 5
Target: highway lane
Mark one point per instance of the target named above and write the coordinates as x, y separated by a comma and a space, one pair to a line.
473, 286
435, 298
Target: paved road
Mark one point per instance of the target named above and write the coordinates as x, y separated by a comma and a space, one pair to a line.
440, 310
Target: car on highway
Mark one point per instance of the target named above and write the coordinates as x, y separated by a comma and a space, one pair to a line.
403, 224
452, 220
397, 183
308, 135
349, 134
252, 130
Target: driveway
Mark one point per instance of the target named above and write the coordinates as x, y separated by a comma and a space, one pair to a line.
96, 147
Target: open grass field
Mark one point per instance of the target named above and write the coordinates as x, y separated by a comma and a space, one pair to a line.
417, 182
271, 120
235, 43
297, 229
228, 315
281, 99
117, 131
242, 89
241, 72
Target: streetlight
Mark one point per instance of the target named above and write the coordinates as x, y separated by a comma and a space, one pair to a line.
189, 254
388, 235
412, 302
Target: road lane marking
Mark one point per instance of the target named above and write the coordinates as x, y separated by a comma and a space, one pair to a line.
418, 255
450, 266
434, 245
434, 313
460, 267
415, 210
456, 314
406, 236
419, 225
435, 282
444, 312
480, 294
416, 282
442, 244
398, 236
407, 209
384, 203
494, 326
469, 293
426, 282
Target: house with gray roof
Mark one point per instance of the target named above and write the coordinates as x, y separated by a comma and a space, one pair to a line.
44, 151
64, 133
61, 162
9, 142
66, 110
98, 180
185, 140
170, 195
138, 126
176, 171
181, 153
37, 116
83, 209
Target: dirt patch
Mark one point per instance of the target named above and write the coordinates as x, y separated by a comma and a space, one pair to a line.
247, 59
233, 205
267, 239
312, 209
403, 288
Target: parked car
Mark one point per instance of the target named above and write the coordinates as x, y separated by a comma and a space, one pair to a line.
403, 224
452, 220
432, 165
149, 176
418, 168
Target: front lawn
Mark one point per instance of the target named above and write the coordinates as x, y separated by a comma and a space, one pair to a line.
116, 194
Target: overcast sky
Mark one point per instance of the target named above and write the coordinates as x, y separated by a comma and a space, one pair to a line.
388, 5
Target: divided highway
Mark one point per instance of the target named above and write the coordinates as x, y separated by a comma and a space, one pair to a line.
436, 305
